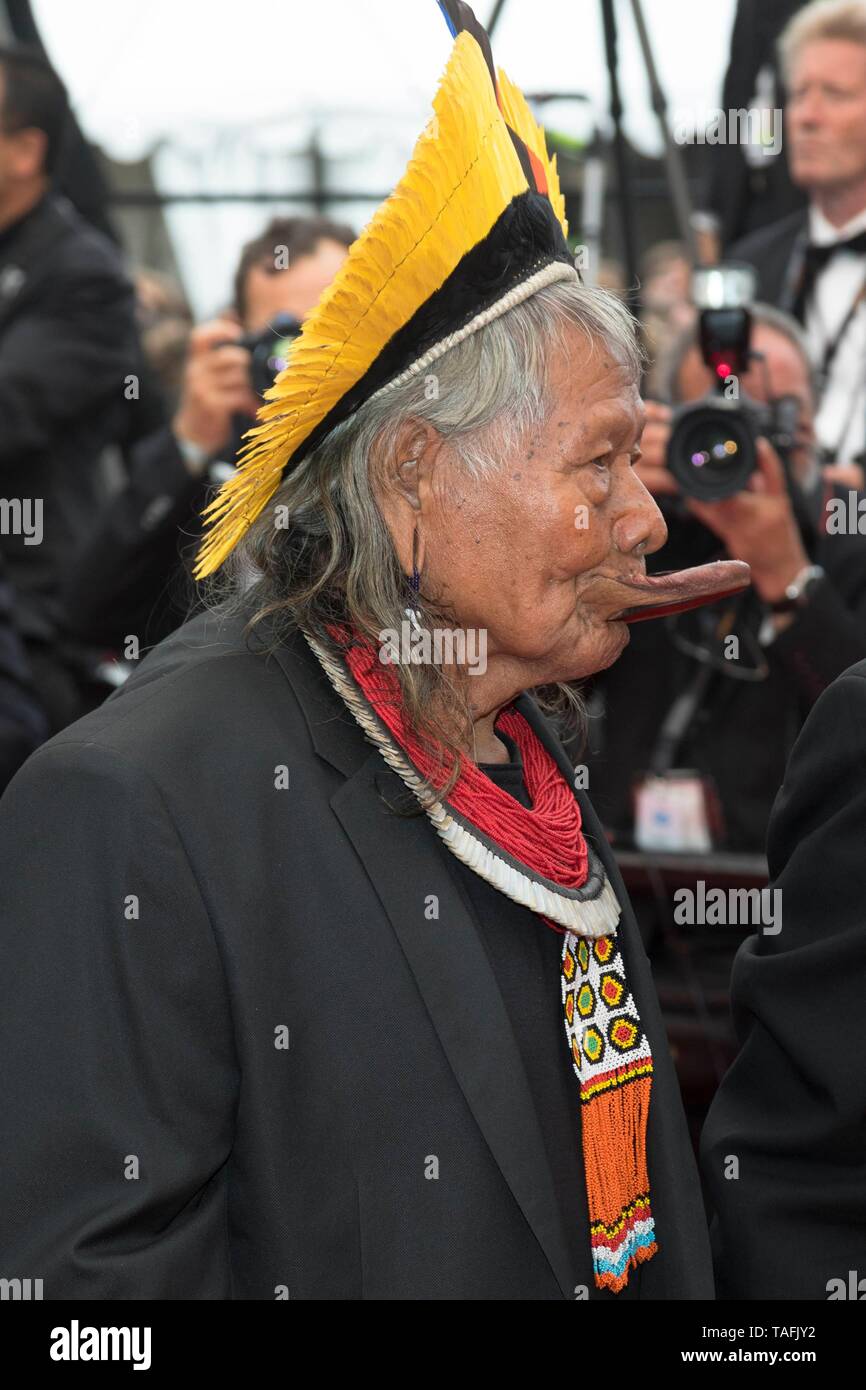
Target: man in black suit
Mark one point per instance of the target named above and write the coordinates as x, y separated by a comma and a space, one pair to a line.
68, 358
813, 262
129, 578
181, 1147
784, 1146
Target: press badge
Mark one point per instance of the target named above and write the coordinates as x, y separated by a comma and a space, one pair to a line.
672, 813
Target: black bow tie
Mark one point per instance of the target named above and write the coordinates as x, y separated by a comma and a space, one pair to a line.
818, 256
815, 258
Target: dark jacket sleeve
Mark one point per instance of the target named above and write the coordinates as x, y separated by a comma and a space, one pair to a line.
117, 1065
784, 1145
130, 564
826, 637
23, 723
70, 350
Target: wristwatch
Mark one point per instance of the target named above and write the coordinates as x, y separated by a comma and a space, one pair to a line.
797, 592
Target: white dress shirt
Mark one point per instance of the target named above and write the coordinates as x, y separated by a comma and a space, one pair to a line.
841, 420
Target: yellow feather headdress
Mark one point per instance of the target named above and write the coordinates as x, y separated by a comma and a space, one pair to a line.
475, 225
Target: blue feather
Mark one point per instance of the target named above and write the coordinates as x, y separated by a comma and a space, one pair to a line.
448, 20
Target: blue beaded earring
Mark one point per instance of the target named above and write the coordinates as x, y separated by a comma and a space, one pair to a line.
415, 584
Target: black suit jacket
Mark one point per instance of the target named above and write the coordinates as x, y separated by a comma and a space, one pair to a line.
774, 251
792, 1108
67, 344
132, 574
23, 724
168, 912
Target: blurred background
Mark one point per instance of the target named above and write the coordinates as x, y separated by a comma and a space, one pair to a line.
204, 119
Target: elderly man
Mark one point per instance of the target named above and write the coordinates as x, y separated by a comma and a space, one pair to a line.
329, 1020
813, 263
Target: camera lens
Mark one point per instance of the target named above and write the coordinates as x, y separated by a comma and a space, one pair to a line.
270, 351
711, 452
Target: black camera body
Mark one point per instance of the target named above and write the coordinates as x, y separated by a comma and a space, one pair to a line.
713, 445
712, 450
269, 350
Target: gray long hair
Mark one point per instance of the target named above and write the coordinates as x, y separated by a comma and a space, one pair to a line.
336, 561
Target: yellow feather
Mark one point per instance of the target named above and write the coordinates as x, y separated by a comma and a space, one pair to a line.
463, 173
523, 123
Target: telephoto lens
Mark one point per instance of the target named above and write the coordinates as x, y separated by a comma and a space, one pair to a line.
712, 448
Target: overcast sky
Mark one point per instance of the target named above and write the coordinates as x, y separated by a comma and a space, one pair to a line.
139, 69
226, 93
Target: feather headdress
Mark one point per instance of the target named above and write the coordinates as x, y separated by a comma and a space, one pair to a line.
475, 225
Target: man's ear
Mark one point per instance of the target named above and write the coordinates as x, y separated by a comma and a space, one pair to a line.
405, 485
410, 467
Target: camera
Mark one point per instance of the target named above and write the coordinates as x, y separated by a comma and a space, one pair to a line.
712, 450
269, 350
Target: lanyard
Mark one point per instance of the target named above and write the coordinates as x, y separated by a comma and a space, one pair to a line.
790, 293
832, 347
791, 289
794, 274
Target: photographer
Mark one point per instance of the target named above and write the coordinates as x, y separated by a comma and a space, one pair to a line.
67, 344
129, 578
726, 694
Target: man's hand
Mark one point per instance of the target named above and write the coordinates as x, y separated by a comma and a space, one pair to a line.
216, 386
652, 467
758, 525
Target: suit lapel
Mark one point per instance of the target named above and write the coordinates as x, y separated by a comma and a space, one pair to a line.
785, 266
406, 862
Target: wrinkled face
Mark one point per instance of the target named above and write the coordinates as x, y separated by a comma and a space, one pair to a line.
825, 119
528, 553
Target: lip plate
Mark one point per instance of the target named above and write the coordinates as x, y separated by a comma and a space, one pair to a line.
680, 590
661, 610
